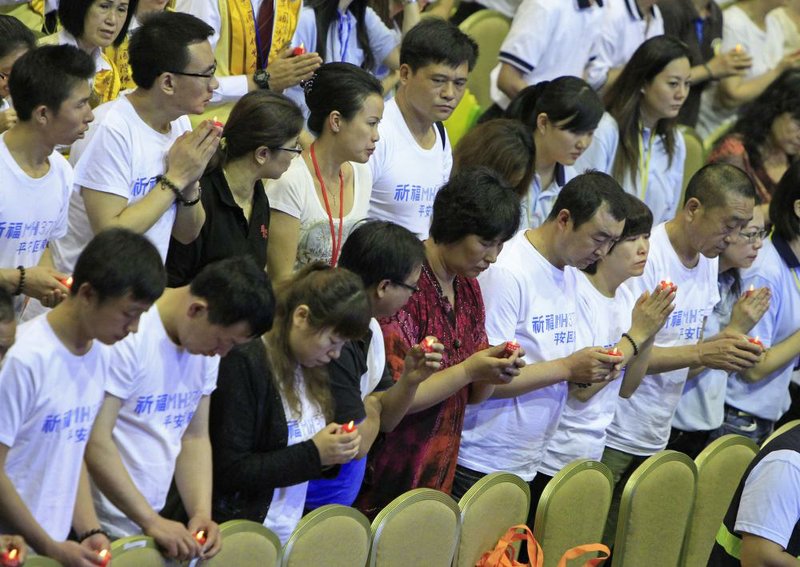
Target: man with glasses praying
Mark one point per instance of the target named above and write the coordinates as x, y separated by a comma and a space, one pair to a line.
139, 167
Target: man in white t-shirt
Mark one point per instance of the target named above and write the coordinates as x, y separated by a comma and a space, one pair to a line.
51, 93
51, 388
547, 39
413, 158
140, 164
153, 422
530, 296
718, 204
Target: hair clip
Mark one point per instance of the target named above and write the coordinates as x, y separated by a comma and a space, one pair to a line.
223, 144
308, 85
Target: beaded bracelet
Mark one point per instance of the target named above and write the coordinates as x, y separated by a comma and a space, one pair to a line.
633, 344
21, 284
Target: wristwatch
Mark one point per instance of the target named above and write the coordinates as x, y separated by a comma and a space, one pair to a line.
261, 78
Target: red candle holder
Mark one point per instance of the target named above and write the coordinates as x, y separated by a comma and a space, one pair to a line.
512, 346
756, 341
105, 557
349, 427
750, 291
427, 344
67, 282
217, 123
614, 351
10, 557
299, 50
200, 536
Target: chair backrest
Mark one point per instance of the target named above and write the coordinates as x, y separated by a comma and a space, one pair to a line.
41, 561
488, 28
136, 551
420, 527
719, 470
780, 431
493, 504
573, 508
332, 535
464, 117
654, 511
695, 155
246, 544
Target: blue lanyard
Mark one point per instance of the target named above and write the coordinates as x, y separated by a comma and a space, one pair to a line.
698, 30
344, 39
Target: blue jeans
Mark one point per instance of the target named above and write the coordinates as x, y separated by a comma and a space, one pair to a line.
743, 423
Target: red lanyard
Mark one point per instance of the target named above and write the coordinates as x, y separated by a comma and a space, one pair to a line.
336, 243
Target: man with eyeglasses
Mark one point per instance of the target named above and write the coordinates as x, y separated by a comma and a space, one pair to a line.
139, 166
684, 252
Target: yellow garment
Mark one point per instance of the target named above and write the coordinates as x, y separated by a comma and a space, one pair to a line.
106, 83
244, 47
31, 14
118, 55
287, 13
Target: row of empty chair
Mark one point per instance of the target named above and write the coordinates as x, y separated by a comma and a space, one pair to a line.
670, 511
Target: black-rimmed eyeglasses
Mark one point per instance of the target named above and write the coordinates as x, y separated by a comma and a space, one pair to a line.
411, 288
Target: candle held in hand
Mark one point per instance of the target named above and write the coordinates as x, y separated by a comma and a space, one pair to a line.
200, 536
217, 123
427, 344
667, 283
67, 282
10, 557
105, 557
349, 427
512, 346
299, 50
756, 341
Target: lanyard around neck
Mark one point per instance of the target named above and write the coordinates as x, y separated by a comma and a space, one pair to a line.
644, 161
336, 243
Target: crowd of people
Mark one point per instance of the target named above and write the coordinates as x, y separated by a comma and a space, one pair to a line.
253, 276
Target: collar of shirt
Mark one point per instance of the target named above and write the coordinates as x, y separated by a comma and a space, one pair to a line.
634, 11
226, 196
785, 252
560, 175
583, 4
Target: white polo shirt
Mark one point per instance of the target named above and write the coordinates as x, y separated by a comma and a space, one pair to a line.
581, 432
641, 425
664, 179
506, 7
538, 203
764, 46
529, 299
779, 270
549, 39
624, 29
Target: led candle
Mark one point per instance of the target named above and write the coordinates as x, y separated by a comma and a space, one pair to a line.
751, 290
667, 283
427, 344
299, 50
10, 557
217, 123
756, 341
613, 351
349, 427
105, 557
67, 282
200, 536
512, 346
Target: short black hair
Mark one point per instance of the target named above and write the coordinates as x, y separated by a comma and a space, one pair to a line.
342, 87
476, 200
14, 35
434, 41
72, 15
118, 261
161, 44
638, 217
7, 313
47, 75
567, 101
379, 250
236, 290
584, 194
713, 183
781, 208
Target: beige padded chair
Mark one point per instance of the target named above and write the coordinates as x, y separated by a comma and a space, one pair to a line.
332, 535
493, 504
573, 508
695, 155
41, 561
655, 508
246, 544
420, 527
780, 431
719, 470
137, 551
488, 28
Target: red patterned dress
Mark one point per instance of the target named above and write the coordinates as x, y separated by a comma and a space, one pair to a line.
422, 450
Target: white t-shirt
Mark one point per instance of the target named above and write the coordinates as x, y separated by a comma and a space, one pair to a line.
581, 432
160, 385
770, 503
561, 45
664, 180
624, 30
122, 155
641, 425
50, 398
294, 194
405, 176
538, 203
32, 211
376, 360
529, 299
769, 398
342, 44
288, 502
702, 405
791, 35
764, 46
